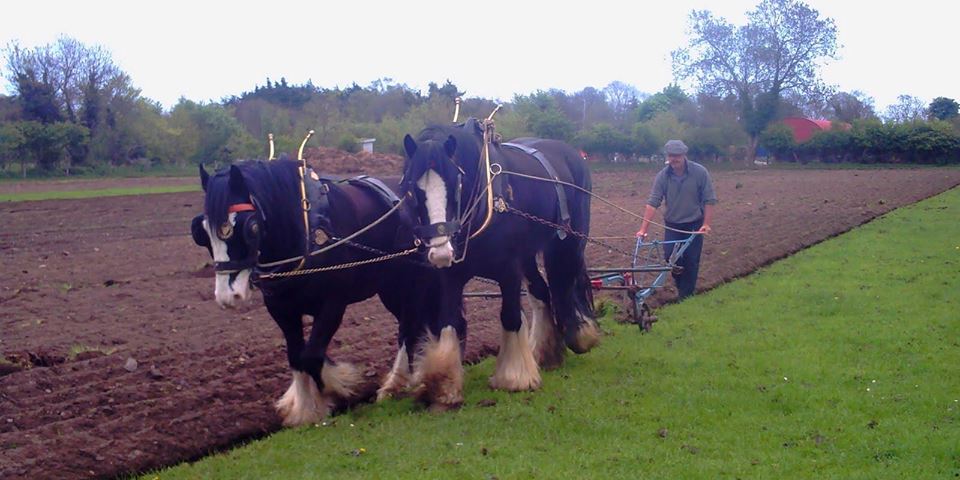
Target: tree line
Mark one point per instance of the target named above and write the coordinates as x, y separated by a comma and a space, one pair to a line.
72, 110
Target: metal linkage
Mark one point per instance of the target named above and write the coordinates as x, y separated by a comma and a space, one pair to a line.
310, 271
565, 228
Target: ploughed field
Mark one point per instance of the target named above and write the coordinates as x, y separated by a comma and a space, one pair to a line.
116, 358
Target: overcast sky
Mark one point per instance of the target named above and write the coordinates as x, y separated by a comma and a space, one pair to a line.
491, 49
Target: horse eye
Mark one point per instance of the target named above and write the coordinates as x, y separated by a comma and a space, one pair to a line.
226, 231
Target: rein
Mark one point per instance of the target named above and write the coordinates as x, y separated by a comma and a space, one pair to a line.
305, 208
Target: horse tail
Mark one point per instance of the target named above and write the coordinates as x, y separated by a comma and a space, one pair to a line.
565, 263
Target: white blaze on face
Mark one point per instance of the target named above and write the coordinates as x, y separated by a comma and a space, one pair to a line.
435, 189
227, 293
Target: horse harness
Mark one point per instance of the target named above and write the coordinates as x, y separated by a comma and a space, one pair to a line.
320, 237
561, 195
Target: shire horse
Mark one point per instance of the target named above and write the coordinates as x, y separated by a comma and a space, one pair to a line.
445, 173
254, 227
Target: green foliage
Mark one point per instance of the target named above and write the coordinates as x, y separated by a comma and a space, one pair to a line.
870, 141
670, 98
603, 139
348, 143
646, 141
942, 108
778, 139
666, 126
543, 116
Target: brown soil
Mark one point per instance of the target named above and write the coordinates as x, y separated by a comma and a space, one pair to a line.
118, 360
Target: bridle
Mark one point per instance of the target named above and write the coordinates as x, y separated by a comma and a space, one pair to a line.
452, 228
249, 220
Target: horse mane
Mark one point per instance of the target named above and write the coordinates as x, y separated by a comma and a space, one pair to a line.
468, 143
273, 186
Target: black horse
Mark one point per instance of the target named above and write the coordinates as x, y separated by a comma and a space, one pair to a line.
254, 226
446, 173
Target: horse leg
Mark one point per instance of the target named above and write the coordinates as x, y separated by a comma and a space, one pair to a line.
516, 368
545, 339
334, 381
438, 368
571, 293
301, 403
397, 380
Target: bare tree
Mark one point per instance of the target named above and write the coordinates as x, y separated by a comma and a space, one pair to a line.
622, 98
850, 106
781, 48
907, 109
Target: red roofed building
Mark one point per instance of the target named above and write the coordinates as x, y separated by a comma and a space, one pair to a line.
804, 128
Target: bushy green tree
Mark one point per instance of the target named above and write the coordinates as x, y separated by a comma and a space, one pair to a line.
543, 116
605, 140
943, 108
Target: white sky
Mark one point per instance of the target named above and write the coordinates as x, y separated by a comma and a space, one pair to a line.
207, 50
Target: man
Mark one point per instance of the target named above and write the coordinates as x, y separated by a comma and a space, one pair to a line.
690, 199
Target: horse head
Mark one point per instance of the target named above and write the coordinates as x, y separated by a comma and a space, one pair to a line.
440, 162
230, 229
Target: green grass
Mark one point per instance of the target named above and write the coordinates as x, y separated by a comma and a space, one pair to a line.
103, 192
842, 361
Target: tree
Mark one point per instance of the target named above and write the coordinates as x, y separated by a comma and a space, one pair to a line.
603, 139
779, 49
667, 99
589, 106
448, 91
543, 116
943, 108
847, 107
622, 98
907, 109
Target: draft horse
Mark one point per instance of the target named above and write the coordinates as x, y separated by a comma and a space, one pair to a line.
255, 229
445, 172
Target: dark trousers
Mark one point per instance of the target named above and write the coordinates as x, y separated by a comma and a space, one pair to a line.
686, 280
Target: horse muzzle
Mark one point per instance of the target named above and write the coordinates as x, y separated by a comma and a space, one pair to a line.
233, 289
441, 256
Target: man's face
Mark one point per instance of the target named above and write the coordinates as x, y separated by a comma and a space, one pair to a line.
676, 162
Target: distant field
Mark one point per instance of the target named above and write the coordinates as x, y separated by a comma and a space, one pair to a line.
99, 192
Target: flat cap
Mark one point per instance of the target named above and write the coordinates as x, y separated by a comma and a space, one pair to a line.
675, 147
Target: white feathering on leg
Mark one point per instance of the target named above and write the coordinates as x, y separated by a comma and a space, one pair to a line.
398, 379
516, 369
438, 372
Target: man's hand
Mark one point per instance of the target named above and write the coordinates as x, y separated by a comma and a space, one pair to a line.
705, 230
642, 234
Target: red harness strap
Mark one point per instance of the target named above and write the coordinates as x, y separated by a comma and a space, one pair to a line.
241, 207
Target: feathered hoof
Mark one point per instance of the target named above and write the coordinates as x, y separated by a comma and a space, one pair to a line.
397, 382
545, 338
438, 372
303, 403
341, 380
516, 369
585, 338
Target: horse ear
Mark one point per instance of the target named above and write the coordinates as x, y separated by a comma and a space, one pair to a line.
204, 177
236, 179
450, 146
409, 145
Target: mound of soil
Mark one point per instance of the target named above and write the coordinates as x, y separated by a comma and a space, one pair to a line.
331, 160
116, 359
